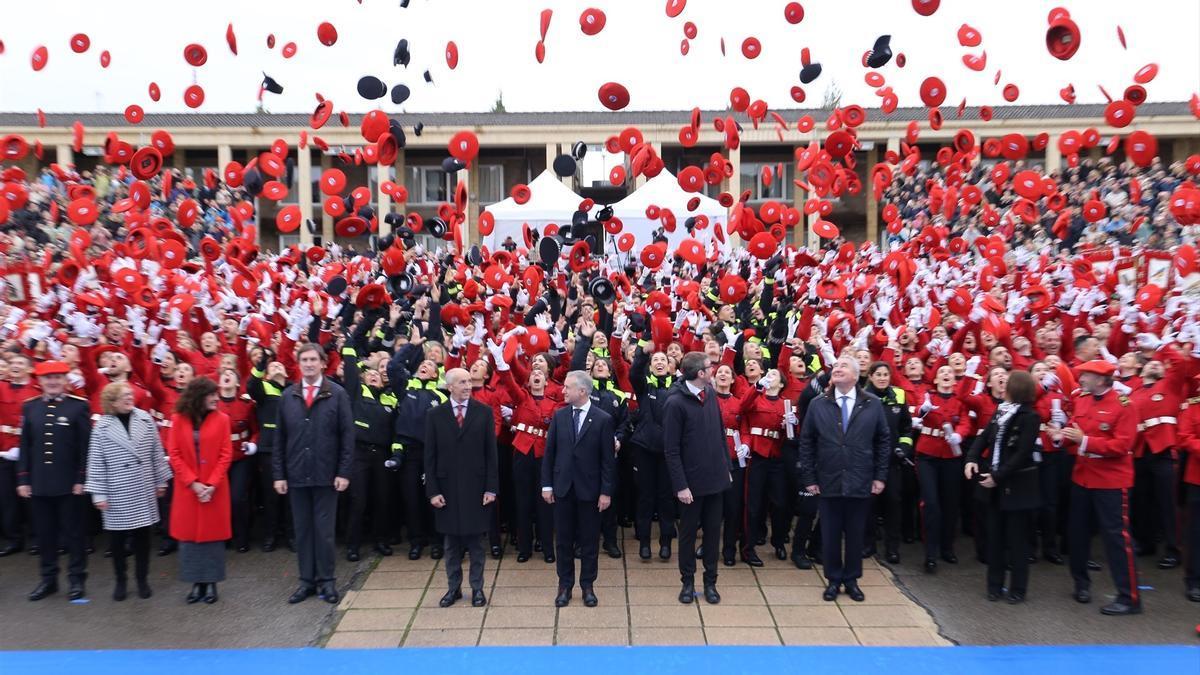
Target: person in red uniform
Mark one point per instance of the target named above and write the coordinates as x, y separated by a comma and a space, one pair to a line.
243, 433
532, 410
734, 537
764, 424
14, 391
1165, 386
1189, 443
1102, 435
943, 422
1054, 407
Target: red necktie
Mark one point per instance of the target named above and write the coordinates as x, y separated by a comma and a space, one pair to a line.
310, 391
700, 395
458, 414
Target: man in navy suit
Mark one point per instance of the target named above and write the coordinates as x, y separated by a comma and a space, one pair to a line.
578, 478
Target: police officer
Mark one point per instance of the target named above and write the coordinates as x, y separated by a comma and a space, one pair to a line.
1102, 433
267, 381
651, 383
55, 429
895, 410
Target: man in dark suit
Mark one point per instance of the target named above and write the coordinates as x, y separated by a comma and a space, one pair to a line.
578, 477
461, 480
698, 463
845, 446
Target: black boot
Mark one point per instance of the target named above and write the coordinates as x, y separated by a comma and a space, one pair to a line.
196, 594
119, 589
144, 591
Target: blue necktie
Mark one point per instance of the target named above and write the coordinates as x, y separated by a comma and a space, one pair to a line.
845, 412
575, 421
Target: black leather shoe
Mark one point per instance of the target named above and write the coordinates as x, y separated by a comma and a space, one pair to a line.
831, 593
33, 550
353, 555
950, 558
930, 566
664, 551
414, 551
303, 593
291, 544
383, 548
10, 549
613, 550
711, 596
119, 590
892, 558
589, 598
644, 551
729, 559
563, 598
993, 596
548, 557
243, 548
210, 594
144, 590
687, 593
1168, 562
522, 557
329, 593
196, 594
268, 545
43, 589
780, 553
76, 591
1016, 598
436, 552
1193, 594
168, 547
478, 599
1083, 596
537, 546
450, 597
1053, 558
1093, 566
1120, 609
854, 591
750, 557
497, 551
802, 562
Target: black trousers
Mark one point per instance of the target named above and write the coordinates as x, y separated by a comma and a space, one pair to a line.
889, 504
274, 505
1192, 572
372, 490
58, 520
653, 491
139, 539
241, 474
472, 544
314, 516
733, 511
806, 538
1007, 547
576, 524
1107, 512
766, 484
418, 517
530, 507
941, 483
704, 512
1051, 477
1154, 492
843, 522
10, 503
621, 499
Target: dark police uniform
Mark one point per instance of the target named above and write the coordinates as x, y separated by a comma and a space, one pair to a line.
414, 399
895, 410
650, 466
266, 395
371, 484
54, 441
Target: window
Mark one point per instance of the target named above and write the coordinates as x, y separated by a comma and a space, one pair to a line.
428, 184
780, 187
491, 184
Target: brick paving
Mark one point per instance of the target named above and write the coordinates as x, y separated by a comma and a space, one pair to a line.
777, 604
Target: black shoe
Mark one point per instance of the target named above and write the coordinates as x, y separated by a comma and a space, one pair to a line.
450, 597
497, 551
352, 554
563, 598
613, 550
548, 557
589, 597
930, 566
414, 551
537, 546
210, 594
119, 590
780, 553
993, 596
750, 557
478, 599
1083, 596
1168, 562
1053, 558
892, 558
328, 592
950, 558
700, 552
144, 590
802, 562
10, 549
291, 544
1093, 566
831, 593
33, 550
1193, 594
760, 541
664, 551
1031, 559
854, 591
522, 557
383, 548
436, 552
243, 548
729, 559
644, 551
1119, 608
168, 547
711, 596
197, 593
303, 593
869, 552
268, 545
687, 593
1016, 598
76, 591
43, 589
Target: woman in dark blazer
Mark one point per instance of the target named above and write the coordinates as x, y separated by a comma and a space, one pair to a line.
1004, 463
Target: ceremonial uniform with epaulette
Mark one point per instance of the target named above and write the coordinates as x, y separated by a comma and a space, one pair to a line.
372, 485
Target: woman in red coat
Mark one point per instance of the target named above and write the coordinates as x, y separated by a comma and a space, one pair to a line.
200, 450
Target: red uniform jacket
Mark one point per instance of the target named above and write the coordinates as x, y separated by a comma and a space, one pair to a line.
1045, 406
948, 408
1189, 439
243, 422
762, 424
1158, 404
192, 520
1110, 428
12, 398
530, 418
731, 407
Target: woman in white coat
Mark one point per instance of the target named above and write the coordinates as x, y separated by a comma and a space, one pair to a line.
127, 471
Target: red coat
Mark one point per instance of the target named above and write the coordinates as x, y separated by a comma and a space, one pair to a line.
762, 424
1189, 439
1110, 425
731, 407
948, 409
191, 520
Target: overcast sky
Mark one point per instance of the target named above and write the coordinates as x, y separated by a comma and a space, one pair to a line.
639, 47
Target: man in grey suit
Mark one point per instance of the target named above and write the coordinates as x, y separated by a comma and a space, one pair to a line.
845, 446
578, 475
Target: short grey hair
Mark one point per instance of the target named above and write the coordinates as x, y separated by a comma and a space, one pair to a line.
454, 375
851, 363
580, 378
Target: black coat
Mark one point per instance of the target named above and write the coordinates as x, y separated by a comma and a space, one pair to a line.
460, 465
843, 463
694, 442
313, 445
587, 464
1021, 437
54, 442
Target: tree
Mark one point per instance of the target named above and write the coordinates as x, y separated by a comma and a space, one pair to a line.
498, 106
833, 96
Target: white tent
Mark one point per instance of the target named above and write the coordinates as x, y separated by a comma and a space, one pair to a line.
549, 202
663, 191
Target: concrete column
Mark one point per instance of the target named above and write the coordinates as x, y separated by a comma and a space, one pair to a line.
470, 176
1053, 155
304, 196
893, 144
224, 156
872, 203
383, 201
64, 154
326, 219
551, 153
178, 159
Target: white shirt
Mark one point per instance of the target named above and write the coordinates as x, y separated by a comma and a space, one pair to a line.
583, 411
460, 406
851, 397
316, 385
693, 388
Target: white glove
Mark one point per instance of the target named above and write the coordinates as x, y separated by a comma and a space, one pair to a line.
1050, 380
159, 352
506, 412
973, 364
332, 309
1121, 388
955, 438
153, 333
730, 334
12, 454
790, 418
497, 352
1058, 418
542, 321
459, 339
174, 319
743, 451
249, 448
1148, 341
75, 380
926, 406
478, 332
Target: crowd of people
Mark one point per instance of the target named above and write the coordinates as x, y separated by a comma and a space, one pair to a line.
1036, 377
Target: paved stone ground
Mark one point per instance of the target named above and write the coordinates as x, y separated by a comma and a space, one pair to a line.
397, 605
